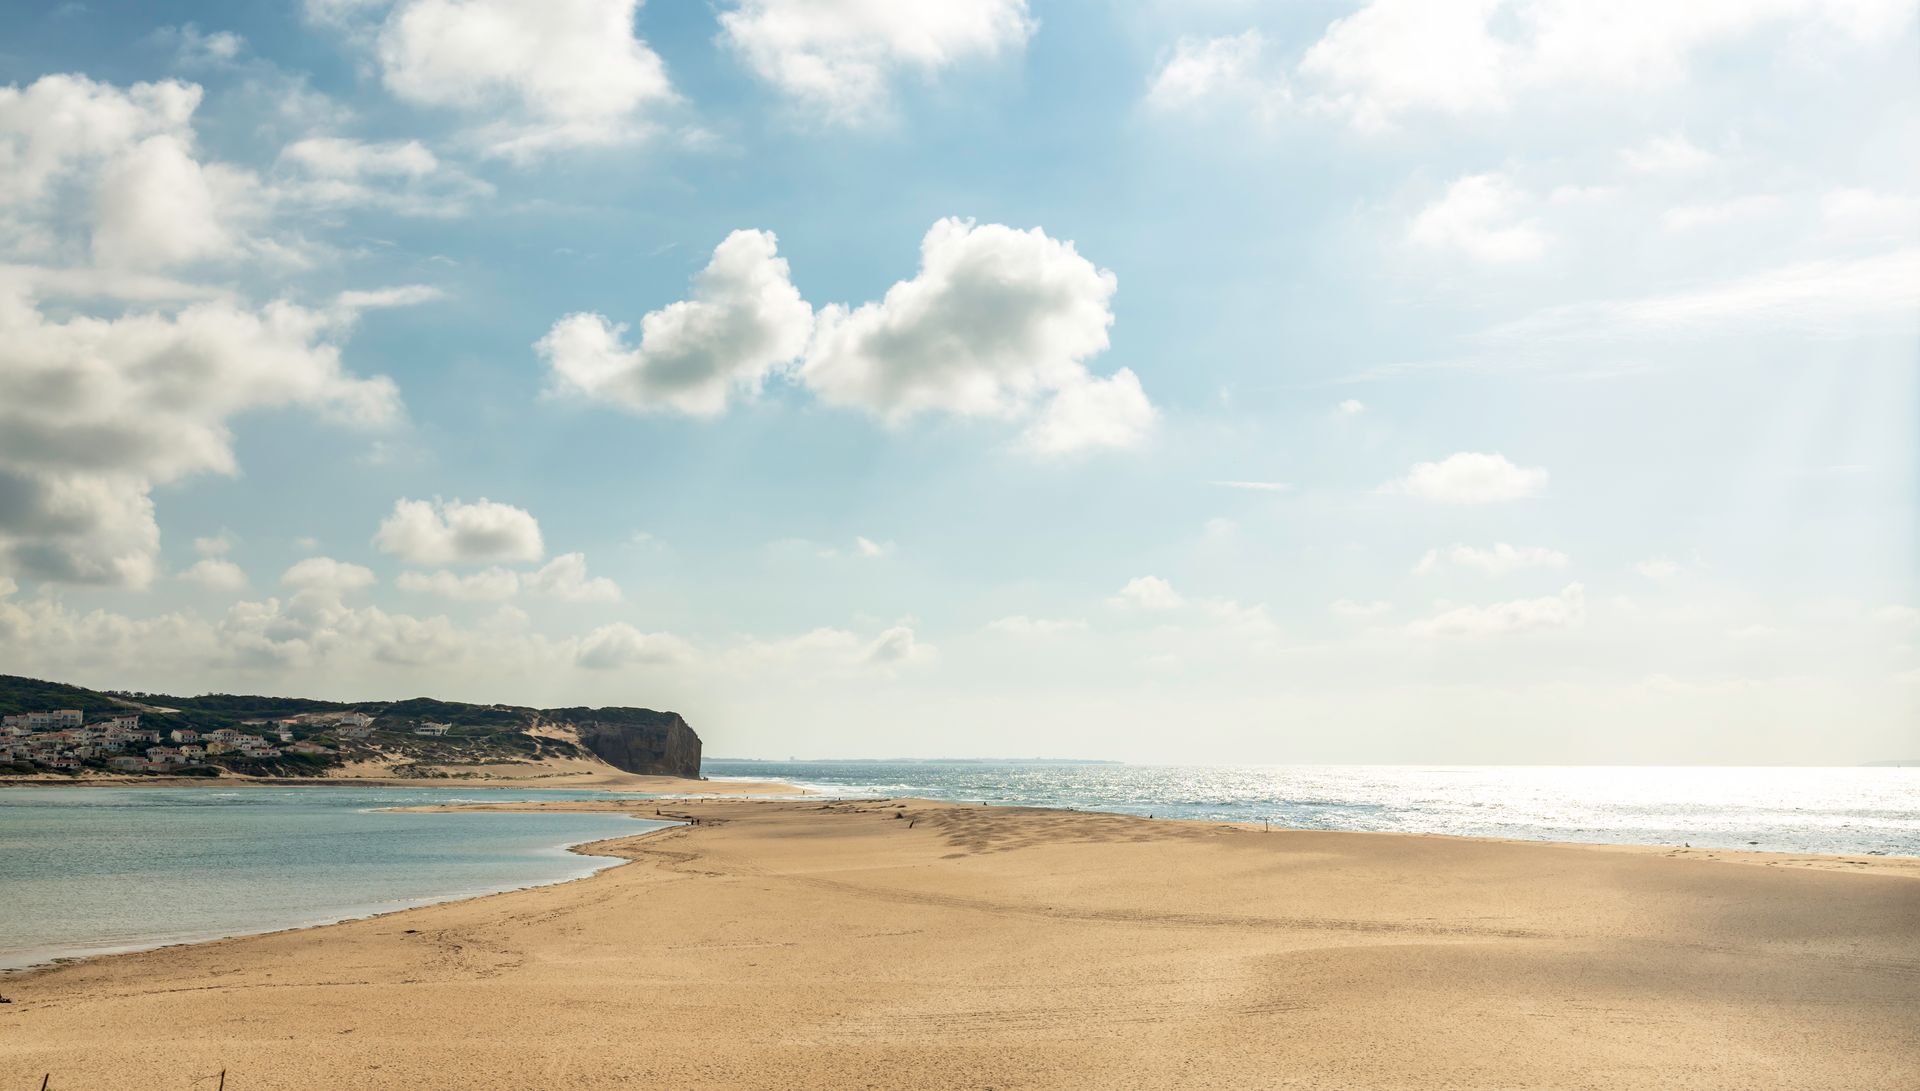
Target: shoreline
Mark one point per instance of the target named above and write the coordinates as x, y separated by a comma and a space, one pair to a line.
1845, 863
808, 943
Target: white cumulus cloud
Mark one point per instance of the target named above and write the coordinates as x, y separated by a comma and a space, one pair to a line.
194, 48
611, 647
1230, 68
833, 651
745, 320
456, 532
111, 177
1566, 610
327, 576
63, 122
215, 574
1024, 627
1470, 477
997, 322
1658, 568
543, 74
159, 206
352, 302
105, 195
95, 412
565, 578
1482, 216
896, 644
1394, 56
1092, 413
491, 584
1148, 593
1497, 559
840, 58
402, 176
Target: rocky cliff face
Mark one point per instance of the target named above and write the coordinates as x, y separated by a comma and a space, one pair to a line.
638, 740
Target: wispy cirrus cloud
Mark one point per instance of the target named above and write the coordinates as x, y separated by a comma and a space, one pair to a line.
1825, 295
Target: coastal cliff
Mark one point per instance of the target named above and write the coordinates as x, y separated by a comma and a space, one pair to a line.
637, 740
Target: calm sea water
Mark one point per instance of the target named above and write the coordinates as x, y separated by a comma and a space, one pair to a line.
1829, 810
86, 870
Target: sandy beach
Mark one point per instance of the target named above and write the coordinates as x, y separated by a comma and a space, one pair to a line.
809, 944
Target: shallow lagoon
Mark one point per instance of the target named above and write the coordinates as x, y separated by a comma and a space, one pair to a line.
93, 870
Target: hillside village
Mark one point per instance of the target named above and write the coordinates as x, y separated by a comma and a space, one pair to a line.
63, 740
54, 729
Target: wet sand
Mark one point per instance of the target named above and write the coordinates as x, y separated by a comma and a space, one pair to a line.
811, 944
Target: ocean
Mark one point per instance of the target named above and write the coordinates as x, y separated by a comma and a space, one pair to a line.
1872, 811
93, 870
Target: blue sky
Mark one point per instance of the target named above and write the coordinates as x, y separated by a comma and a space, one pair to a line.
1234, 382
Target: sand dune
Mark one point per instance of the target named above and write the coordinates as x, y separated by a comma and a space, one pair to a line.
802, 944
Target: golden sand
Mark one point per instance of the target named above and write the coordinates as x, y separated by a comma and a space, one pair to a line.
800, 944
